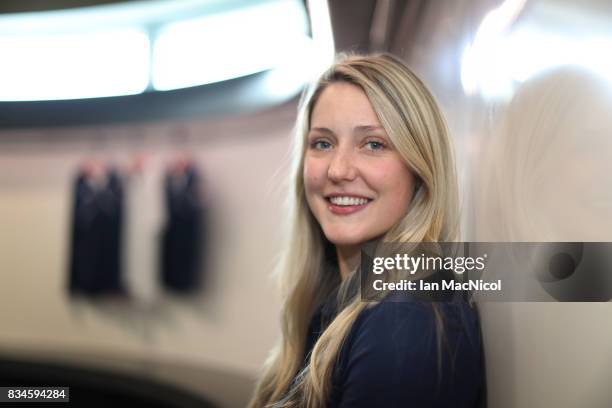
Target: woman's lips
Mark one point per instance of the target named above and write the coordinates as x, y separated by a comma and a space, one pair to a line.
346, 209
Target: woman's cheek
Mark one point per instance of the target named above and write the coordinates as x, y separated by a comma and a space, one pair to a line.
313, 176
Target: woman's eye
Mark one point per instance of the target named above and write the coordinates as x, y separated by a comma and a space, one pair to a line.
374, 146
321, 145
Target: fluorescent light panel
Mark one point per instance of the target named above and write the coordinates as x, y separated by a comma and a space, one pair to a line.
125, 49
227, 45
73, 66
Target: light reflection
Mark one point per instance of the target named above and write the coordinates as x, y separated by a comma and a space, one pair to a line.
508, 50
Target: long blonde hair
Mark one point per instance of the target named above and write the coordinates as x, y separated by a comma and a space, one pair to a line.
412, 119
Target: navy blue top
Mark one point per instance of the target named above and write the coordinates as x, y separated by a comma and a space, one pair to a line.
390, 357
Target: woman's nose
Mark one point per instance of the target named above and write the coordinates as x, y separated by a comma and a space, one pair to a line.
342, 166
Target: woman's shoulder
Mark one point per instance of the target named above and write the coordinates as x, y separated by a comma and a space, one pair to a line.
395, 354
412, 319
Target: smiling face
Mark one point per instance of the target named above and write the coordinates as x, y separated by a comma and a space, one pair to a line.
357, 185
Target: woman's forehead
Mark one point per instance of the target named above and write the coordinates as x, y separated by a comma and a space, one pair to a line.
343, 103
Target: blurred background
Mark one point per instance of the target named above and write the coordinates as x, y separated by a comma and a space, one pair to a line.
144, 154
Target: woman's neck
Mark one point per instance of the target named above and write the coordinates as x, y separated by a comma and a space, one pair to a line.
348, 258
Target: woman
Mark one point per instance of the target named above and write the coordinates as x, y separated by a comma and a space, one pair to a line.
373, 162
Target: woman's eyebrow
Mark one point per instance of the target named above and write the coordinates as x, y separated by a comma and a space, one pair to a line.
321, 130
356, 129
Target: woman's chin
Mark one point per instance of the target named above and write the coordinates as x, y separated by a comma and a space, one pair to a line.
346, 240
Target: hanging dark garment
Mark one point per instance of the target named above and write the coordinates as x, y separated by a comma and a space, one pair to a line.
95, 240
182, 242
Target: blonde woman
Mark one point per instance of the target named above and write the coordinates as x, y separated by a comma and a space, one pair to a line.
372, 161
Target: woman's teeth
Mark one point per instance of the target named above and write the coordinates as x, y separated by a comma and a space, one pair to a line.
345, 201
